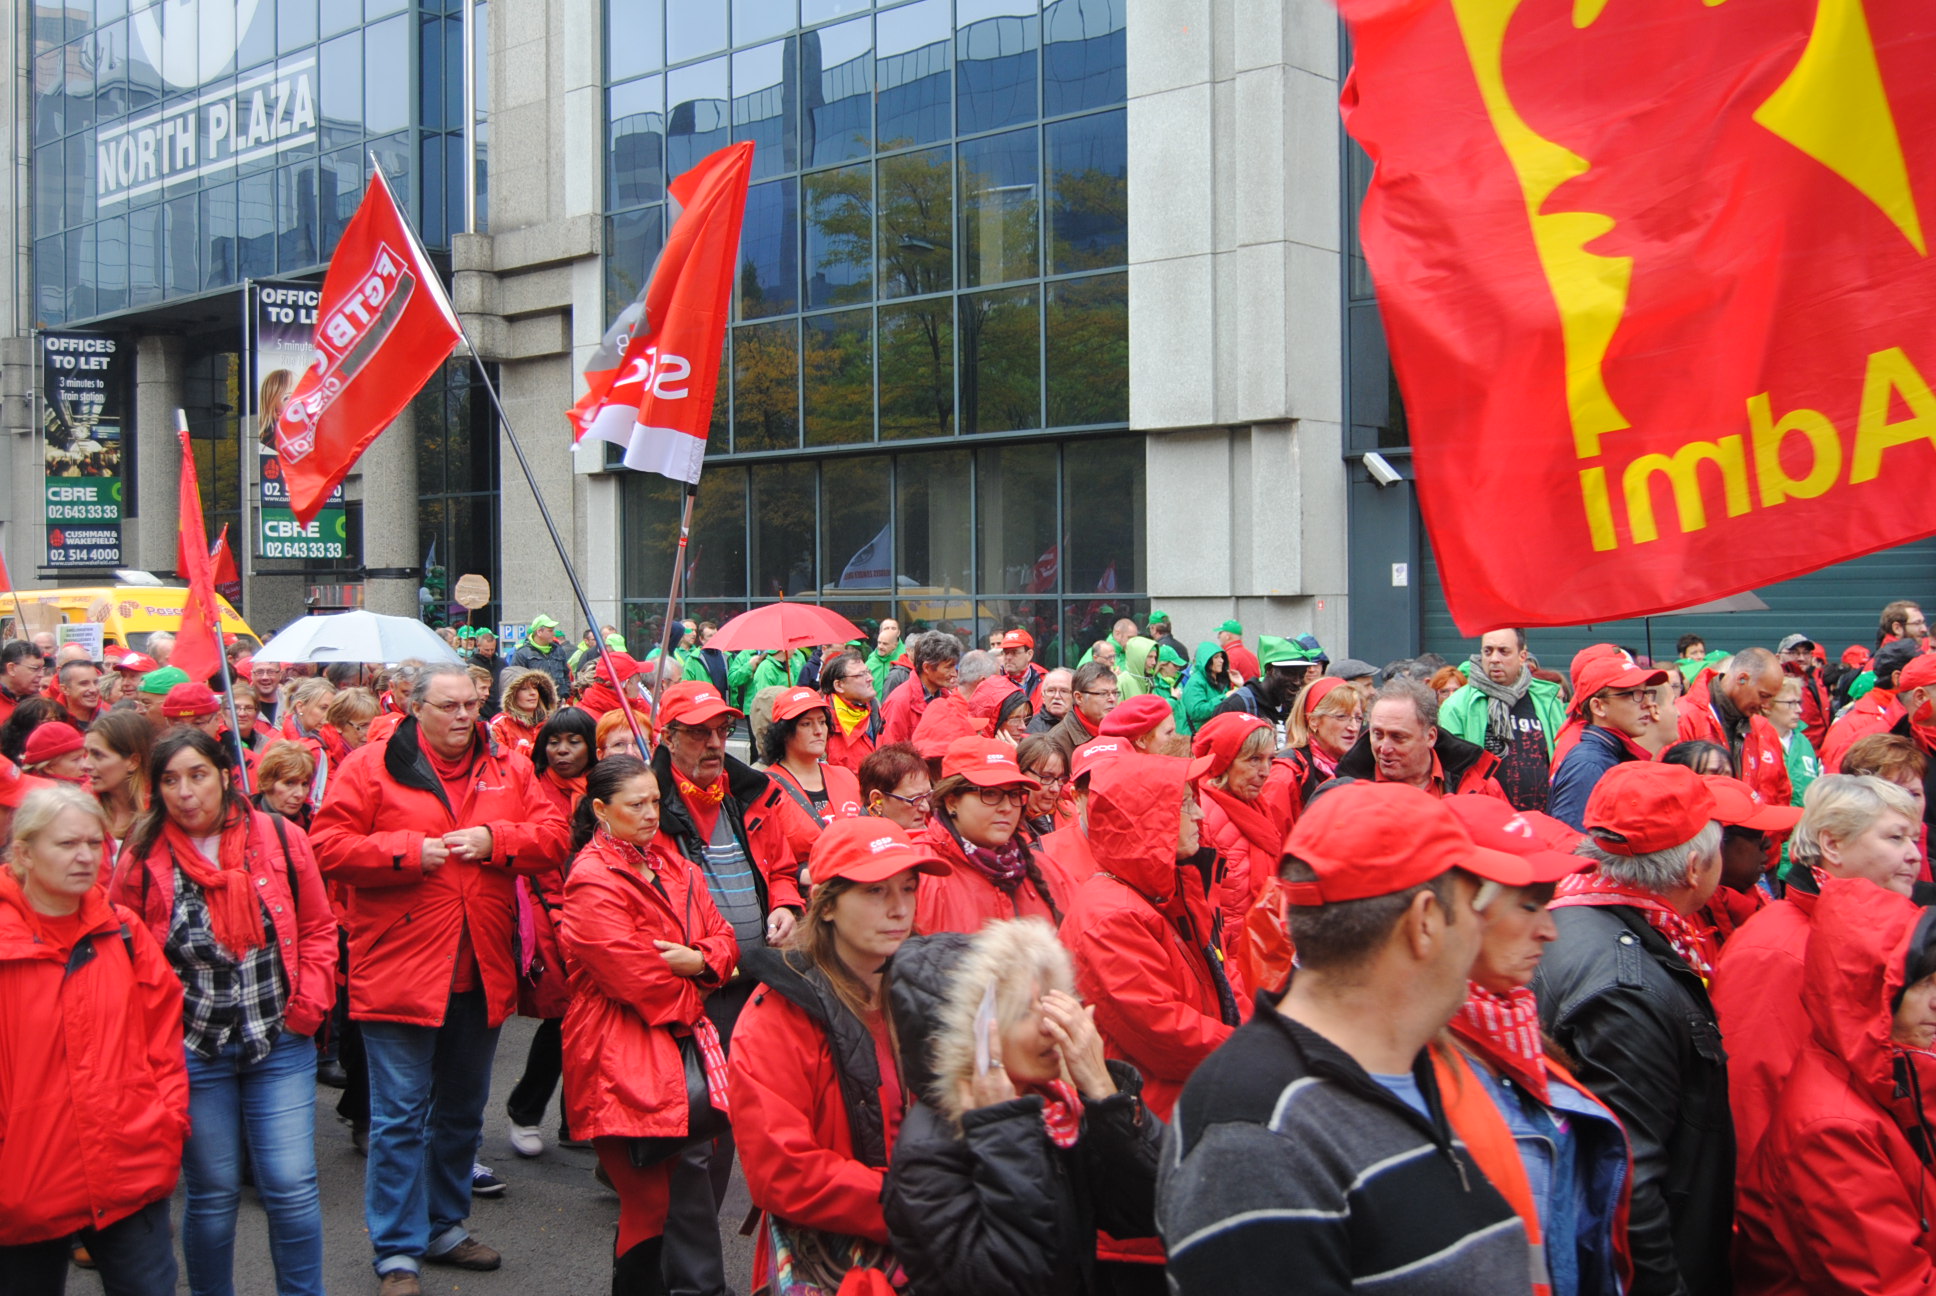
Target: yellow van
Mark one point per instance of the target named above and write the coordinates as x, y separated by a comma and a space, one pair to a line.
128, 613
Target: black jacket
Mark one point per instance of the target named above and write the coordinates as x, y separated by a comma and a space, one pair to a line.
1250, 700
1614, 994
996, 1206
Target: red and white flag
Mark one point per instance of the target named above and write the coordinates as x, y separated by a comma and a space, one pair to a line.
651, 381
383, 327
198, 643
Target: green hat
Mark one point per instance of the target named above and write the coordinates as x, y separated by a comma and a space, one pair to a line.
615, 642
1272, 651
543, 622
1159, 616
160, 681
1165, 653
1234, 627
466, 632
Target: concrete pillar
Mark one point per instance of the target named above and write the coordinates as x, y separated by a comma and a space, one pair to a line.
148, 532
388, 473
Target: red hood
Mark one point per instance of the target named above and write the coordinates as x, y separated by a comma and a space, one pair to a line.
946, 719
1857, 944
1135, 808
986, 701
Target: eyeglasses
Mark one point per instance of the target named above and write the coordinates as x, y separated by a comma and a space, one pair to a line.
722, 732
1002, 795
456, 708
1112, 694
1049, 780
1788, 702
920, 801
1640, 695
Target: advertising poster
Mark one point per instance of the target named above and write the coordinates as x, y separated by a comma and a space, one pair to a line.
83, 419
283, 319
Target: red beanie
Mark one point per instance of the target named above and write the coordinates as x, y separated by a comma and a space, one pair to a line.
1134, 717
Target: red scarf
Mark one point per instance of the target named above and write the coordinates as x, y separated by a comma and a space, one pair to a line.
1093, 730
1256, 826
234, 911
696, 796
1504, 1029
1061, 1112
1694, 945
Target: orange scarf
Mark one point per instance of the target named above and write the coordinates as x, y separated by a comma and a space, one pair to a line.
696, 796
234, 911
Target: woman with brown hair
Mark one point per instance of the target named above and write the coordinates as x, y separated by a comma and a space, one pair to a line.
117, 757
974, 815
530, 696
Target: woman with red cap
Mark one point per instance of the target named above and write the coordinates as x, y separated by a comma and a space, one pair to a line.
816, 1092
1325, 722
1233, 760
976, 812
645, 945
1148, 721
795, 750
59, 752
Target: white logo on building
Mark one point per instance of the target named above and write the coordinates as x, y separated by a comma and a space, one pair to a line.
185, 50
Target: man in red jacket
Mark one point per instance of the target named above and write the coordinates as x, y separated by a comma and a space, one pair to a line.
20, 669
1727, 710
80, 693
1876, 711
936, 658
427, 827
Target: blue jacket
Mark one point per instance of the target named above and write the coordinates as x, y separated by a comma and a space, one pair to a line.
1598, 751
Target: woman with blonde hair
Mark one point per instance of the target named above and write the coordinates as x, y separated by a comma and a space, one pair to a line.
346, 725
529, 698
283, 778
1325, 721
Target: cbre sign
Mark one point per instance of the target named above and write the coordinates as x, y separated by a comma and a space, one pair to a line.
218, 130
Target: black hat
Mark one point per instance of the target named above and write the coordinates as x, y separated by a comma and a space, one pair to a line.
1892, 657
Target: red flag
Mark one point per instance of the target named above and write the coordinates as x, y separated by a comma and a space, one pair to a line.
383, 327
224, 560
1656, 281
198, 644
652, 379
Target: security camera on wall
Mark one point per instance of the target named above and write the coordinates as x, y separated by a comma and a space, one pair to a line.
1381, 470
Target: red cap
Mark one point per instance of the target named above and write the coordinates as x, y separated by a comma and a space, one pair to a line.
113, 652
1919, 673
1369, 839
1220, 739
1494, 824
1093, 753
1017, 639
694, 702
1612, 673
1319, 691
137, 663
624, 663
190, 701
1134, 717
1855, 655
1735, 804
51, 741
1639, 807
985, 762
866, 849
796, 702
14, 786
245, 664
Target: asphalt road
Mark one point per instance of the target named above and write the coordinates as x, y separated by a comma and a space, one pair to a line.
554, 1224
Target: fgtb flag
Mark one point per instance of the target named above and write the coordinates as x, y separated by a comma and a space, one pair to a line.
1657, 282
382, 328
198, 646
651, 382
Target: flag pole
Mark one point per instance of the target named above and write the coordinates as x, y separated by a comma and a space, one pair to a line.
214, 614
672, 598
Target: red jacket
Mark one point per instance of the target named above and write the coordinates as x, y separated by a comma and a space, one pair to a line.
1764, 764
305, 929
543, 991
1876, 711
965, 900
405, 924
902, 710
623, 1074
843, 800
1251, 844
1137, 932
1817, 709
93, 1082
1835, 1197
1066, 862
845, 750
1757, 994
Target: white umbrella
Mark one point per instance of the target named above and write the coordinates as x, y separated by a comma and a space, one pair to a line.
356, 637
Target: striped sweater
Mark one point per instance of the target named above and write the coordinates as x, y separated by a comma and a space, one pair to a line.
1289, 1169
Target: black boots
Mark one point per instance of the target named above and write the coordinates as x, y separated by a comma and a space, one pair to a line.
636, 1273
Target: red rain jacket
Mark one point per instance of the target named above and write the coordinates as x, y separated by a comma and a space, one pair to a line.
1876, 711
1835, 1197
1066, 862
93, 1083
623, 1074
405, 924
1757, 994
305, 927
965, 900
1764, 764
902, 710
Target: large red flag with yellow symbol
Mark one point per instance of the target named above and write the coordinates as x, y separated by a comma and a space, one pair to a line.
1657, 281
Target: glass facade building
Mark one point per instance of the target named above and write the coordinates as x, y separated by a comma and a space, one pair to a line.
930, 344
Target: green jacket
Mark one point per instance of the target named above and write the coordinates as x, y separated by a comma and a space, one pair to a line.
1464, 713
1201, 695
745, 679
1132, 666
877, 666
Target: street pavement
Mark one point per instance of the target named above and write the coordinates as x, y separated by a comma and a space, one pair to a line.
554, 1224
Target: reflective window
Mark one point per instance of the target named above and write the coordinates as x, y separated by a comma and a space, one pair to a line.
933, 540
77, 200
341, 90
255, 226
295, 24
1088, 192
634, 37
430, 220
81, 255
1001, 181
1103, 515
256, 43
917, 367
840, 236
635, 170
769, 250
717, 553
766, 386
374, 9
1084, 64
181, 241
917, 252
632, 243
218, 236
110, 57
1087, 333
696, 114
856, 544
837, 362
1001, 361
217, 38
341, 15
340, 189
755, 20
837, 73
144, 256
48, 187
386, 76
693, 28
50, 96
912, 73
764, 105
111, 265
995, 57
784, 529
297, 216
814, 11
1015, 488
79, 68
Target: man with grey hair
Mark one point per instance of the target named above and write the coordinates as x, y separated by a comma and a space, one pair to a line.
1402, 743
160, 646
1095, 694
1053, 700
428, 827
937, 657
1624, 991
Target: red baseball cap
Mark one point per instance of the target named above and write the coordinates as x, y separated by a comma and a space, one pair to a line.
625, 664
1735, 805
1096, 751
14, 785
867, 849
1369, 839
1018, 639
51, 741
113, 652
694, 702
985, 762
1612, 673
1494, 824
1639, 807
1134, 717
137, 663
190, 701
797, 702
1919, 673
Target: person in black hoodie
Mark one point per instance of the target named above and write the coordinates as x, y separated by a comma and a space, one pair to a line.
1024, 1142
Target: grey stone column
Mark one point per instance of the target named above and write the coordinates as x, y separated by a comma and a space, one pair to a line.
148, 532
387, 474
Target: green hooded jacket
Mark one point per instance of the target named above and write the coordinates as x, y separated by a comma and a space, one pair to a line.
1201, 696
1132, 666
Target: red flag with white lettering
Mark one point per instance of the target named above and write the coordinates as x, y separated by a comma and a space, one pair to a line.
198, 646
651, 381
383, 327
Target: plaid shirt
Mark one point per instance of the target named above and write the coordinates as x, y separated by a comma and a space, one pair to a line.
223, 999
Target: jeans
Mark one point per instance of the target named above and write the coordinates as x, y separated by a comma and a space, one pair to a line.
134, 1256
271, 1103
428, 1088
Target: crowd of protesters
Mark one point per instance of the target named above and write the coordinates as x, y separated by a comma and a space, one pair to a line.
1205, 972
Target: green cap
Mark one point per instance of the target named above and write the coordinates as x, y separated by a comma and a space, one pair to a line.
543, 622
1233, 627
615, 642
160, 681
1159, 616
1165, 653
1272, 651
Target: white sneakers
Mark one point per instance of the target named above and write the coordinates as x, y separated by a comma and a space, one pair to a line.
526, 1141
